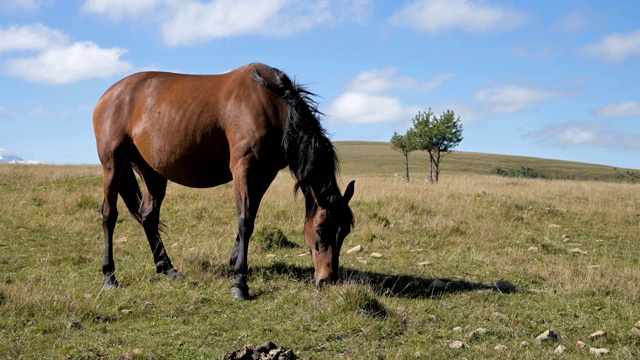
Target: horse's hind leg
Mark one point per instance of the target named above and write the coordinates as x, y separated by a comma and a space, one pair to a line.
155, 189
112, 172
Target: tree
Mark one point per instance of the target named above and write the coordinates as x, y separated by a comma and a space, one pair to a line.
436, 136
404, 144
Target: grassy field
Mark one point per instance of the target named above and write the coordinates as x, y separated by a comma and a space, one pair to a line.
469, 231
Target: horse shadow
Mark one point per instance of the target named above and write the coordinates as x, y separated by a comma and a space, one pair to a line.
404, 286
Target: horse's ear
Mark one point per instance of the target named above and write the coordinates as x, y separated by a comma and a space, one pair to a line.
348, 192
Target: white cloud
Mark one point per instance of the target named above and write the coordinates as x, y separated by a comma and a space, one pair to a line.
361, 108
434, 16
592, 134
30, 37
573, 22
187, 22
627, 108
66, 64
28, 5
614, 48
118, 9
380, 80
510, 98
368, 99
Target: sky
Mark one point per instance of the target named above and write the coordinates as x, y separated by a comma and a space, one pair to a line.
555, 79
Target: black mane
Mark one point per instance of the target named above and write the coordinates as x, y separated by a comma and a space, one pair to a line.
311, 156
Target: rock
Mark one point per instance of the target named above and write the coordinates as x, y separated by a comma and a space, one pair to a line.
578, 251
376, 255
122, 240
638, 324
355, 249
635, 330
554, 226
476, 333
499, 316
88, 296
524, 344
455, 344
601, 351
362, 260
533, 249
548, 336
74, 325
504, 286
269, 256
417, 354
580, 344
424, 263
500, 347
566, 238
597, 335
126, 311
457, 329
560, 349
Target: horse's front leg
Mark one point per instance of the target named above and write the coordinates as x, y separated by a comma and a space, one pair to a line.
246, 219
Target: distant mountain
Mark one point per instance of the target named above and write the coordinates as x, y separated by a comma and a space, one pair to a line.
12, 159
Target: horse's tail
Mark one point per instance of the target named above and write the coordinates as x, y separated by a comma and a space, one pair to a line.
130, 191
310, 154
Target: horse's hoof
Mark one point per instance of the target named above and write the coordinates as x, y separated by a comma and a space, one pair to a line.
239, 293
109, 284
172, 274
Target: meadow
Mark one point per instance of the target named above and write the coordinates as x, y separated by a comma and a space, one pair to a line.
571, 248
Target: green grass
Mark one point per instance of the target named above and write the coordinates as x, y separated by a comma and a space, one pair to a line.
377, 158
473, 229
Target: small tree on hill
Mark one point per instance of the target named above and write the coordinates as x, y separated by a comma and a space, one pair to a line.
404, 144
436, 136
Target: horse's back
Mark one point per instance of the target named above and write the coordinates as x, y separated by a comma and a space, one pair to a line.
192, 128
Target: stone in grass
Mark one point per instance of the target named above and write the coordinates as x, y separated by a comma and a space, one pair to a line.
548, 336
597, 335
560, 349
500, 347
599, 351
455, 344
580, 344
578, 251
635, 330
476, 333
355, 249
376, 255
504, 286
457, 329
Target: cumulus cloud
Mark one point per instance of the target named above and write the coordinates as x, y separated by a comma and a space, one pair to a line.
434, 16
369, 98
627, 108
188, 22
591, 134
511, 98
30, 37
614, 48
62, 65
57, 61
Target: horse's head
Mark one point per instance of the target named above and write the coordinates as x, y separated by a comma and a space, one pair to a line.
325, 231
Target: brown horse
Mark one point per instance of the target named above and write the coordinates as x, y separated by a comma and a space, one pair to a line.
205, 130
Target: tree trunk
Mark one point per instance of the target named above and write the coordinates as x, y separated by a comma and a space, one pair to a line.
406, 164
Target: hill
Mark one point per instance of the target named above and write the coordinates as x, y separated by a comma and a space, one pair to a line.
377, 158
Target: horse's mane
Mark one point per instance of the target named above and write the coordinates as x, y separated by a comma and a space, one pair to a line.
311, 156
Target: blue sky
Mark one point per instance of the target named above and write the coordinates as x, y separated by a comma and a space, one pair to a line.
555, 79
